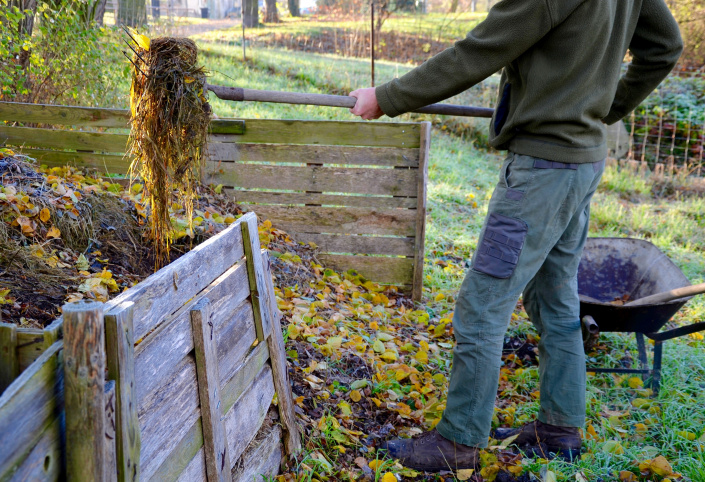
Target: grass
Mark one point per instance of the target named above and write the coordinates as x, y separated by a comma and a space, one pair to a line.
462, 176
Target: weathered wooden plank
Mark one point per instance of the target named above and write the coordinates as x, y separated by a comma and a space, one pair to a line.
313, 219
424, 149
44, 459
121, 368
60, 139
337, 243
158, 356
9, 361
395, 271
245, 417
342, 155
187, 461
53, 332
243, 376
255, 275
63, 115
302, 198
217, 458
28, 408
358, 180
105, 163
262, 459
277, 355
338, 133
167, 416
110, 466
84, 373
30, 345
235, 339
195, 470
165, 291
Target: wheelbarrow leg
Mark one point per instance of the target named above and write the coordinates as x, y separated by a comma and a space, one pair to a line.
656, 372
643, 361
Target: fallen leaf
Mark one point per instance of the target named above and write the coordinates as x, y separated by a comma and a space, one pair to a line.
464, 474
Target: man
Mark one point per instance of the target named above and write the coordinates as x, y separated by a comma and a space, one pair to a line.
561, 62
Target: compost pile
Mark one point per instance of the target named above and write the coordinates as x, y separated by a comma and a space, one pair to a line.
169, 129
66, 235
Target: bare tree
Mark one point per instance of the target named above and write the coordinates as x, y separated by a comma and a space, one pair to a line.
294, 8
271, 14
250, 13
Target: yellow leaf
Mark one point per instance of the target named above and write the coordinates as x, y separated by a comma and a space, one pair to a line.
626, 476
422, 356
378, 346
440, 296
218, 189
635, 382
612, 447
53, 233
189, 80
660, 466
374, 464
389, 356
389, 477
142, 40
687, 435
355, 396
44, 215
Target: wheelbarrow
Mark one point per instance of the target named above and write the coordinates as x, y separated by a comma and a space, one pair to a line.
615, 271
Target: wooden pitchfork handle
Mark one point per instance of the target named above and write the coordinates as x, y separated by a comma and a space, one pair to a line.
669, 295
239, 94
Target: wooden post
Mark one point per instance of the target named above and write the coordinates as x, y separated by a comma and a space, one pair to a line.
121, 368
214, 438
255, 274
110, 466
277, 356
84, 387
9, 362
424, 149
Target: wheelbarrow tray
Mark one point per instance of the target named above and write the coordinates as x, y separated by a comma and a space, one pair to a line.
611, 268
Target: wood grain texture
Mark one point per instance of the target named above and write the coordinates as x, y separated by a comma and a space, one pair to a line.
384, 270
44, 461
246, 416
121, 368
167, 416
110, 455
158, 356
63, 115
313, 219
277, 355
29, 407
53, 332
244, 375
165, 291
60, 139
104, 163
342, 155
9, 361
352, 244
187, 461
337, 133
424, 149
357, 180
84, 386
30, 345
262, 459
301, 198
216, 449
255, 274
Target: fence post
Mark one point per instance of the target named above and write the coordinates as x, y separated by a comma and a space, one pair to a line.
84, 387
9, 363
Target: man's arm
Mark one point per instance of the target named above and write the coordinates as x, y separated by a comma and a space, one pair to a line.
655, 47
511, 27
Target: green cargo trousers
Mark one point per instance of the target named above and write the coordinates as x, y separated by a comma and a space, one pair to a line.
531, 242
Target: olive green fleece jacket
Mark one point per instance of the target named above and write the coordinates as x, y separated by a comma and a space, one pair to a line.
561, 80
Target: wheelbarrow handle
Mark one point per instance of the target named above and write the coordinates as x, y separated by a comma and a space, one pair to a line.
667, 296
239, 94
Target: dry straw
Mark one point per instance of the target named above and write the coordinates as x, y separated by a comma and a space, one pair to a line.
169, 129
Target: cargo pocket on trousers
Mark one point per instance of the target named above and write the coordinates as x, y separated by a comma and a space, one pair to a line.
501, 246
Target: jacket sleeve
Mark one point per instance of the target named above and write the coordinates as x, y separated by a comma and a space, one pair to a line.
511, 27
656, 47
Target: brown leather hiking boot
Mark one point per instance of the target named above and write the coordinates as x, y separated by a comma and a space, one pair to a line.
544, 440
431, 452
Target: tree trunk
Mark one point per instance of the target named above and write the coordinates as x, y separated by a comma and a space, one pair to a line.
473, 7
250, 13
100, 11
294, 8
271, 14
454, 6
25, 27
132, 13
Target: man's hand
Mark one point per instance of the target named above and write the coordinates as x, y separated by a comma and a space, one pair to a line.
366, 105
